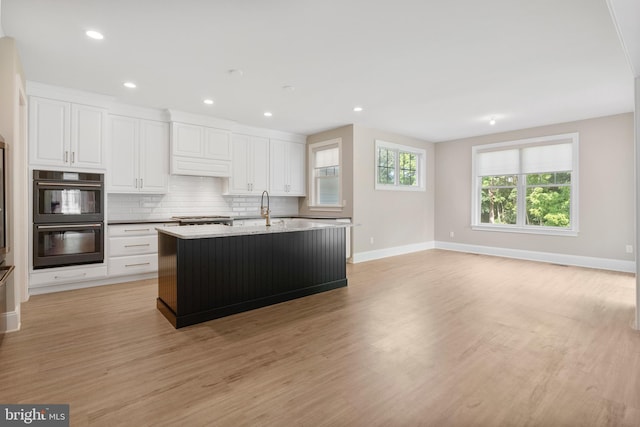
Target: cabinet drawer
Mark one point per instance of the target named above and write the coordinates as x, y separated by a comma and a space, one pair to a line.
39, 279
136, 229
137, 264
135, 245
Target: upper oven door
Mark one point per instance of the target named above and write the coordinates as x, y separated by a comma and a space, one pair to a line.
63, 201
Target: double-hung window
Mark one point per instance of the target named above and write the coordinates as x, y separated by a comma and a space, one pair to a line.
399, 167
326, 181
527, 185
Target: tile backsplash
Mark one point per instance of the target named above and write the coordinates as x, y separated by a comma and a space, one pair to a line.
192, 195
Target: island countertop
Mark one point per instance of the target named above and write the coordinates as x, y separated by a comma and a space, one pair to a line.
277, 226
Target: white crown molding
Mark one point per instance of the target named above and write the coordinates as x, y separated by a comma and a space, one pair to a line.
139, 112
196, 119
70, 95
234, 127
270, 133
549, 257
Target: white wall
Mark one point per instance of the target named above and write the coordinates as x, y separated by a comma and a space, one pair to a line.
606, 192
192, 195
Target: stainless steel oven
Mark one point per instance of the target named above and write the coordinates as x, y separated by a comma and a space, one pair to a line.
58, 245
68, 218
67, 197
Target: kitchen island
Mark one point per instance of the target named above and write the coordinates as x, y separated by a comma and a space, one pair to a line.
211, 271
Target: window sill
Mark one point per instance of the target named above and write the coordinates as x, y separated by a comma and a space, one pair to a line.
526, 230
333, 208
399, 188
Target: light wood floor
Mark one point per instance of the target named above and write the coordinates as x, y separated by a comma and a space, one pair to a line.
434, 338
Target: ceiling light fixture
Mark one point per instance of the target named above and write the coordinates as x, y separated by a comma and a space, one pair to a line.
357, 109
208, 101
94, 34
492, 121
268, 114
129, 85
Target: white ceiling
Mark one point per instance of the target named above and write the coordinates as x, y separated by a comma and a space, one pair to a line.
436, 70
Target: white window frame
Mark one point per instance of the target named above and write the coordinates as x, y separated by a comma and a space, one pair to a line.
421, 164
519, 227
312, 148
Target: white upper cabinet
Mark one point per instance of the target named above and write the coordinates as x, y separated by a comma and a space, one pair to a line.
66, 134
153, 156
287, 168
199, 150
250, 165
139, 156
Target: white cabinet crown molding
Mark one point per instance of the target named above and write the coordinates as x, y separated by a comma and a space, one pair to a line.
196, 119
118, 109
68, 95
269, 133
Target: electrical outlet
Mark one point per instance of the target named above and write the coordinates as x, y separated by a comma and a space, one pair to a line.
451, 234
629, 249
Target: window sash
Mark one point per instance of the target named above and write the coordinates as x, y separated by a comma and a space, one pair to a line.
557, 154
325, 175
399, 167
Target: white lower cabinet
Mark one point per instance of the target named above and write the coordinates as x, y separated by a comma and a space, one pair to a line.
133, 248
39, 280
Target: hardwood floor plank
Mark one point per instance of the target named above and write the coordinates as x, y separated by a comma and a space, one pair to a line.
430, 338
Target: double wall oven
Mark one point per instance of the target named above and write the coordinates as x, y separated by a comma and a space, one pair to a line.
68, 218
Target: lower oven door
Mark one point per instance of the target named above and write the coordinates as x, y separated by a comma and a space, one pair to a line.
58, 245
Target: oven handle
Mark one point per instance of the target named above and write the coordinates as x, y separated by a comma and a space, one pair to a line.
67, 226
67, 184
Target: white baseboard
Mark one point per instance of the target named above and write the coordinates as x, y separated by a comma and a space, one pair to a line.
10, 321
554, 258
90, 284
387, 252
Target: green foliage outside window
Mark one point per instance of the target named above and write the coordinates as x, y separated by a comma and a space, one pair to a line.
548, 199
408, 169
386, 166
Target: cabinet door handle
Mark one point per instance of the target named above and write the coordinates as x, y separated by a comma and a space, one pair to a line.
137, 229
141, 183
135, 182
66, 156
137, 265
73, 157
136, 246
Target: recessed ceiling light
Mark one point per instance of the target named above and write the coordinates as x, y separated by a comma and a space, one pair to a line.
208, 101
268, 114
357, 109
492, 121
94, 35
129, 85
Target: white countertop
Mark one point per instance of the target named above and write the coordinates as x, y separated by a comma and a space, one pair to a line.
277, 226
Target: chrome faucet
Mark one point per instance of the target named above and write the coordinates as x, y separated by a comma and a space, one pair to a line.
264, 210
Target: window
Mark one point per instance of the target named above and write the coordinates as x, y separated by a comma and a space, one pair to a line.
527, 185
324, 160
399, 167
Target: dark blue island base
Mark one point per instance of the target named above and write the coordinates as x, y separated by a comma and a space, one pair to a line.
201, 279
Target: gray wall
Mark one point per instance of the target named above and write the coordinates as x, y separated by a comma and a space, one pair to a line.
392, 218
346, 133
606, 191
